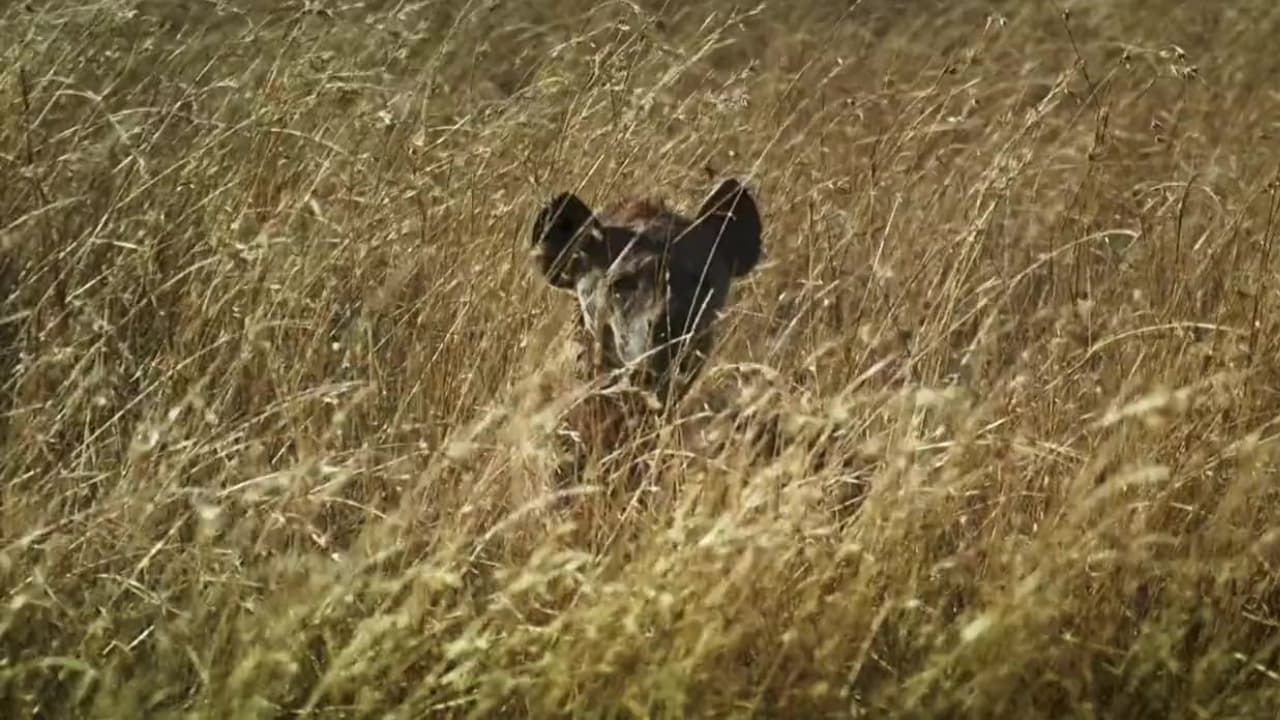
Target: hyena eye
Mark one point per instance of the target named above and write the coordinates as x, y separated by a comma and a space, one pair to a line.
624, 286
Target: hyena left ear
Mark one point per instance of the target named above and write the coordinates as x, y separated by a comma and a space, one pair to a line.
730, 214
554, 232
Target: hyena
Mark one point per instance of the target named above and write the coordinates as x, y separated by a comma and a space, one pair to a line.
651, 284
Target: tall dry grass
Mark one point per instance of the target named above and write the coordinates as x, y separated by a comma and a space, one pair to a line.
281, 388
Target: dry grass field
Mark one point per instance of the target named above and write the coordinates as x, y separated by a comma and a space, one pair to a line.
281, 387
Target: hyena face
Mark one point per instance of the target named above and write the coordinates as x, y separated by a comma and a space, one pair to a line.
650, 283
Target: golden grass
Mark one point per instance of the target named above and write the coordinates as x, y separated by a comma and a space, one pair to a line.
282, 389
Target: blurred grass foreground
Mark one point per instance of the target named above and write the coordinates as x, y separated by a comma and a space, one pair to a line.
281, 389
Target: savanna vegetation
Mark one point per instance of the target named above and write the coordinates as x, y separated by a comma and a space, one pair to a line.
281, 389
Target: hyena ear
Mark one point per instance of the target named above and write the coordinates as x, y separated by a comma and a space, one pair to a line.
730, 214
554, 232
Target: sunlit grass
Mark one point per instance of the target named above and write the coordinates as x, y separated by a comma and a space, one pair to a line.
991, 431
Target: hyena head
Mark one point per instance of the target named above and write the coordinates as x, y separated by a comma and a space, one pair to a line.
650, 282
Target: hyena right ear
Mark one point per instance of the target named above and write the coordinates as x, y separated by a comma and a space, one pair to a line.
554, 232
731, 215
